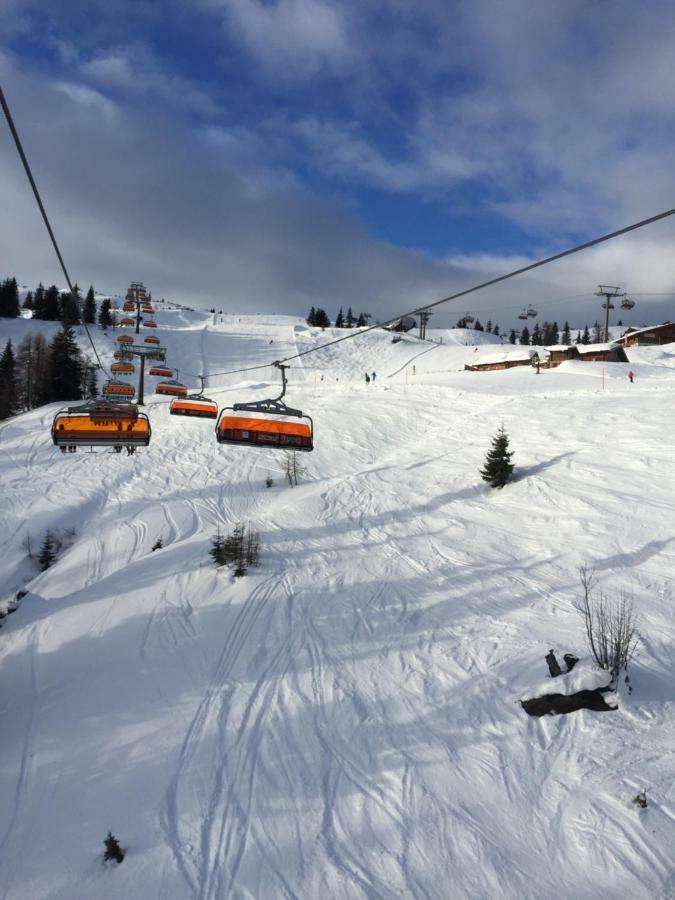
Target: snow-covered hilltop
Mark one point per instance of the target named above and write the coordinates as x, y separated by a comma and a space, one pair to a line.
344, 721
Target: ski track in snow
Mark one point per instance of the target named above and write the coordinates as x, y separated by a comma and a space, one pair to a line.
344, 721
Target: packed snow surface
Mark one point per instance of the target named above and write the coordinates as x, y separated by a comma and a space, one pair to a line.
344, 721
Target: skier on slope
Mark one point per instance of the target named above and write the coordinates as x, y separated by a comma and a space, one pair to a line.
367, 378
631, 376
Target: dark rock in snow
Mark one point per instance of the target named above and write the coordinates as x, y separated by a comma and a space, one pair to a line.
561, 704
553, 666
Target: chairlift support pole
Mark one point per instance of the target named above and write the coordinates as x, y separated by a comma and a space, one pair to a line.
424, 321
608, 291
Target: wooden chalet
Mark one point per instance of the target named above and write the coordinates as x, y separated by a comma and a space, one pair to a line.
490, 362
611, 352
654, 334
558, 353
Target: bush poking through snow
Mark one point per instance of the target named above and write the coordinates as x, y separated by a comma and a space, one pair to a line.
498, 466
293, 468
113, 851
159, 543
640, 799
611, 625
47, 555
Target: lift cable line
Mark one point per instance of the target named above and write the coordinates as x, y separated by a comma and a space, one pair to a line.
478, 287
26, 165
500, 278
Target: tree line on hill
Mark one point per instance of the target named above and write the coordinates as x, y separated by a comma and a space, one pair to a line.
542, 335
39, 372
545, 334
319, 319
52, 305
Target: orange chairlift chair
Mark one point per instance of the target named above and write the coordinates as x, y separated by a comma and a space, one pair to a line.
266, 423
196, 405
101, 424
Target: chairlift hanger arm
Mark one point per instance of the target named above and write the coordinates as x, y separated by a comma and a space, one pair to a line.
267, 406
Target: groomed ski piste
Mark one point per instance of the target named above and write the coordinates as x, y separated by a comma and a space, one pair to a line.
345, 720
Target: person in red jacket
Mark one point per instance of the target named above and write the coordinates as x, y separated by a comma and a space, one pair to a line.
631, 376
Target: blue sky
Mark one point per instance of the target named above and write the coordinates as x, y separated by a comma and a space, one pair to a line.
377, 153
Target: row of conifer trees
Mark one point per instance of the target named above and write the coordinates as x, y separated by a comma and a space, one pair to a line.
319, 318
38, 372
49, 304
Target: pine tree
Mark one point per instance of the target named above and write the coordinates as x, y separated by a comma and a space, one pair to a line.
9, 299
555, 334
9, 402
488, 327
65, 367
513, 336
566, 334
47, 555
28, 302
70, 307
321, 319
89, 313
525, 336
349, 321
340, 322
597, 333
495, 330
536, 336
31, 371
585, 337
91, 383
478, 326
39, 302
498, 466
311, 318
361, 321
104, 317
52, 308
113, 851
217, 549
577, 339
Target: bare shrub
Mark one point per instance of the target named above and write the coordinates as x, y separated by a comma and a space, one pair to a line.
611, 625
293, 468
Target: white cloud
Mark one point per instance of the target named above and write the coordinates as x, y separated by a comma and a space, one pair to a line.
291, 38
86, 96
135, 71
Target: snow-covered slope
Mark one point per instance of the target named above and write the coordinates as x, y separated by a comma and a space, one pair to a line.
344, 721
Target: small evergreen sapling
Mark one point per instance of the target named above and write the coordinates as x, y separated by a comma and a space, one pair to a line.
113, 851
217, 551
498, 466
47, 555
